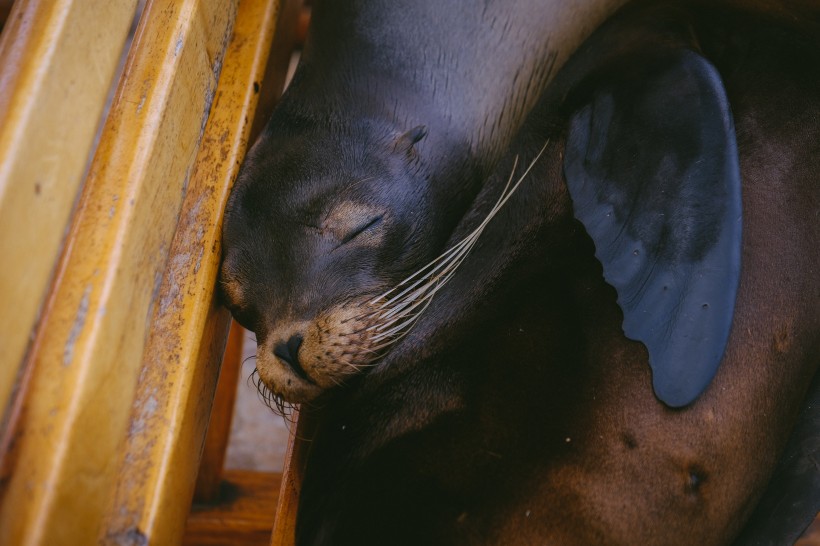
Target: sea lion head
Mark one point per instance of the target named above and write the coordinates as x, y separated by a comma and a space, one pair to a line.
322, 225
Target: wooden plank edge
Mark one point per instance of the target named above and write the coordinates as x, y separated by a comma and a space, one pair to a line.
182, 357
84, 381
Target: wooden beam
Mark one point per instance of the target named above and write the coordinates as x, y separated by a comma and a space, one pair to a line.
57, 63
186, 340
89, 347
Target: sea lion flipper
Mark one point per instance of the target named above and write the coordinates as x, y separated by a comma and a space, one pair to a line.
652, 168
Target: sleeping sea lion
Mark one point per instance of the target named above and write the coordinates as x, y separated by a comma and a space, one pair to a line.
548, 287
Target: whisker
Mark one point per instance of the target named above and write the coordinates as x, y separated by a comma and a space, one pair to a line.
404, 326
362, 366
423, 301
275, 403
430, 287
400, 307
436, 264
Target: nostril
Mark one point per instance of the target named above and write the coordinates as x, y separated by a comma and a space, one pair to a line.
289, 352
294, 343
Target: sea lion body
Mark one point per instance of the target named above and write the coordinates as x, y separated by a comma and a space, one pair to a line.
515, 411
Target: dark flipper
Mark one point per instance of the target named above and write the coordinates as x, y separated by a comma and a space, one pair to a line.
652, 168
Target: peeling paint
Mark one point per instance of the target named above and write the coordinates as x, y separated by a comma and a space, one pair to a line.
199, 260
171, 298
147, 412
77, 327
151, 405
178, 46
130, 537
210, 93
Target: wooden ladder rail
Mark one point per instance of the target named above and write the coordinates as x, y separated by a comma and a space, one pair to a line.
112, 352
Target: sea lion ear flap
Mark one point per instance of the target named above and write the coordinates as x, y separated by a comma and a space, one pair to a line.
652, 169
404, 144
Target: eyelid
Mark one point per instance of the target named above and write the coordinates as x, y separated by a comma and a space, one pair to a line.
355, 232
349, 218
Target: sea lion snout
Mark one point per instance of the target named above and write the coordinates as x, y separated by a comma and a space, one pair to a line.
280, 364
298, 360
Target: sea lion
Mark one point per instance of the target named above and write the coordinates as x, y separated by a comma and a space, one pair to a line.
514, 403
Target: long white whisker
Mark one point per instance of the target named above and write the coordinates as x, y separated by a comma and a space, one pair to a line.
415, 305
397, 313
393, 320
441, 269
443, 258
465, 241
419, 291
423, 301
404, 328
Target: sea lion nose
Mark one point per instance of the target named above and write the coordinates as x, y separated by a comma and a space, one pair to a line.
289, 352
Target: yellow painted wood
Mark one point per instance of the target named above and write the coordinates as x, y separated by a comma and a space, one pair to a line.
188, 331
57, 62
87, 353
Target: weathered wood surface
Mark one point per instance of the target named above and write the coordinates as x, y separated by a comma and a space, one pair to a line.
181, 360
57, 63
270, 89
86, 356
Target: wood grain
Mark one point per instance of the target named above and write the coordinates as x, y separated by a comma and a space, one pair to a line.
57, 63
87, 353
242, 514
186, 340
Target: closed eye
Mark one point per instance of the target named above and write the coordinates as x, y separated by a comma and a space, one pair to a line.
362, 228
